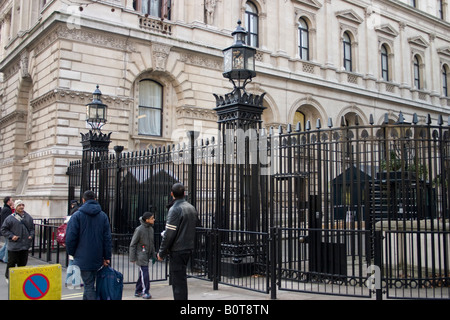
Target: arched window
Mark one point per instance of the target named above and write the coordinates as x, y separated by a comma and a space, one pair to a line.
150, 108
347, 47
384, 63
299, 117
417, 74
445, 80
303, 44
251, 23
304, 114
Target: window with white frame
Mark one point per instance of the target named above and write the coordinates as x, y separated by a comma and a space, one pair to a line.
252, 24
154, 8
384, 63
417, 73
347, 47
150, 108
303, 33
445, 75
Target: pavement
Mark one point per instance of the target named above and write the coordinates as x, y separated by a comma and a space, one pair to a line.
199, 290
204, 301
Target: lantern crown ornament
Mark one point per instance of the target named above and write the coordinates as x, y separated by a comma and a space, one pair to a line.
239, 60
96, 111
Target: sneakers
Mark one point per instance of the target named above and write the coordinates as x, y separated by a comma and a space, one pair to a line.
144, 296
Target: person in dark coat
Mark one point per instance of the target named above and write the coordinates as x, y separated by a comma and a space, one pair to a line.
88, 240
178, 240
8, 205
74, 205
19, 229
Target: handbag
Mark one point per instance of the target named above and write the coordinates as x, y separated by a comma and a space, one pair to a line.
109, 284
61, 234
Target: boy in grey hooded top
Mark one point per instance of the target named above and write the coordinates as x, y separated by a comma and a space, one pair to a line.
142, 249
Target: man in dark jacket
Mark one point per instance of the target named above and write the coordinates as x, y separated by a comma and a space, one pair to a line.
88, 240
8, 204
19, 229
178, 240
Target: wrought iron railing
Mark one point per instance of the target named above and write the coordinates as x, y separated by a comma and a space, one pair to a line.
363, 184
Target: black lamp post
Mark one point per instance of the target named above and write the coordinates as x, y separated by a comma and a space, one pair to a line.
95, 146
239, 60
238, 107
238, 191
239, 114
96, 111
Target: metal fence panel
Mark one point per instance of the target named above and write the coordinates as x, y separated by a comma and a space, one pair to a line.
328, 190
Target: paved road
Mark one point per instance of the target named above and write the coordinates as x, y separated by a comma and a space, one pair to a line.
198, 290
204, 302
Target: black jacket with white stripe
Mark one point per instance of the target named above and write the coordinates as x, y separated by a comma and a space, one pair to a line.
180, 228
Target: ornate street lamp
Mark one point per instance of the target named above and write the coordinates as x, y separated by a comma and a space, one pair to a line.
239, 121
96, 111
95, 146
239, 60
239, 107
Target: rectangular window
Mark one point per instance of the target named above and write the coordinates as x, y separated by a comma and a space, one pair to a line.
384, 70
253, 34
440, 9
347, 48
384, 63
304, 40
417, 73
150, 108
251, 21
154, 8
444, 82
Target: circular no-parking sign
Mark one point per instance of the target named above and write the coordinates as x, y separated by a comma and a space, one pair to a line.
36, 286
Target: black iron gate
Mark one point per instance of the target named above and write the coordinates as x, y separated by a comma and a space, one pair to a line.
346, 210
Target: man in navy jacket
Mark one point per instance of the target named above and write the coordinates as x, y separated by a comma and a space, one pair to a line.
88, 240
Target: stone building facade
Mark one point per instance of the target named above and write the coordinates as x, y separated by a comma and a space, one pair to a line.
158, 63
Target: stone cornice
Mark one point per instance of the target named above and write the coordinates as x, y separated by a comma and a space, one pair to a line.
85, 35
94, 37
192, 112
202, 60
76, 97
54, 28
13, 116
64, 96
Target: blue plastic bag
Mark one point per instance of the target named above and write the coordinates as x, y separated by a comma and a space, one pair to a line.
109, 284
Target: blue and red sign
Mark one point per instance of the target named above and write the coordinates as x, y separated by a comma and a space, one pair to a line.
35, 282
36, 286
